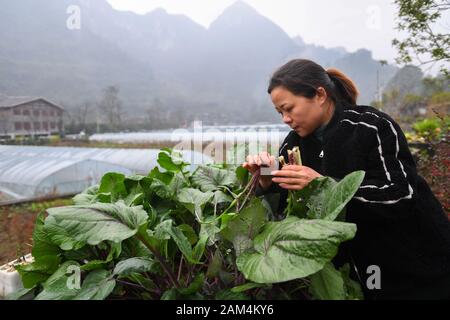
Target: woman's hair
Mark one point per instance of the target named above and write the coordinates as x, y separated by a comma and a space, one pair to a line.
303, 77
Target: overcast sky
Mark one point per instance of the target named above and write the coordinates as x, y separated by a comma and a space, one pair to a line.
352, 24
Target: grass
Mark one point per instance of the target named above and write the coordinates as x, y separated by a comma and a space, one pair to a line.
99, 144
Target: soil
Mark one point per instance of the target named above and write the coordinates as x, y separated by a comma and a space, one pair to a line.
16, 227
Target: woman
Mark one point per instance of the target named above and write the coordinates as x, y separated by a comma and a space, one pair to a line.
402, 228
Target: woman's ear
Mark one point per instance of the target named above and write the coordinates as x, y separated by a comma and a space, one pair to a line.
321, 95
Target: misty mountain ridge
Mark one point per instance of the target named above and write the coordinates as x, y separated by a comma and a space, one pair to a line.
218, 73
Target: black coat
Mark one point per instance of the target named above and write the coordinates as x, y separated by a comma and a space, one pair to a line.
402, 227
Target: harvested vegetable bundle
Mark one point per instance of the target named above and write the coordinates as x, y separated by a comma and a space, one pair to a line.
281, 159
294, 157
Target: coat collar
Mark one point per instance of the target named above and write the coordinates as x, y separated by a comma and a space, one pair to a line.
330, 128
335, 121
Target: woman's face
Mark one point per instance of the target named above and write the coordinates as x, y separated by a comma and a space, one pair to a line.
303, 115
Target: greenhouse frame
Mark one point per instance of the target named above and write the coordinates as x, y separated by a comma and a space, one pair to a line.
28, 172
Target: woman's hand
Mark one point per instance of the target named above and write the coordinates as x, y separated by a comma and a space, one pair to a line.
293, 177
255, 162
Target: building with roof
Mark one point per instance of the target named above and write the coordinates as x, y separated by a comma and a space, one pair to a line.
29, 116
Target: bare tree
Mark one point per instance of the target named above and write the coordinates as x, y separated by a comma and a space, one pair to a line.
82, 114
111, 106
156, 115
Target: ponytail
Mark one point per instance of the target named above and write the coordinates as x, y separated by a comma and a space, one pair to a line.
345, 87
303, 77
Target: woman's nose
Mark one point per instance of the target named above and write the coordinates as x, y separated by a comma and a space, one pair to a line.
287, 119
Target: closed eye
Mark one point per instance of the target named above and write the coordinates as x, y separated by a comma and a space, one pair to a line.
285, 109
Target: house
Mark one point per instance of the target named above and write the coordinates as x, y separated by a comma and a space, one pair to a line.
29, 116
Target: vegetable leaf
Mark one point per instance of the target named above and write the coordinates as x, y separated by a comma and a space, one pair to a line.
293, 248
73, 227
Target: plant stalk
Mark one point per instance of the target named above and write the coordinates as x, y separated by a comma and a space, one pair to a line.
251, 185
164, 265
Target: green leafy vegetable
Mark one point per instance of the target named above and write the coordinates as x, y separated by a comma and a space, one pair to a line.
176, 234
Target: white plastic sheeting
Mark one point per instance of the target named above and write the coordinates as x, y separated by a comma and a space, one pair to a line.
29, 172
137, 160
233, 134
31, 177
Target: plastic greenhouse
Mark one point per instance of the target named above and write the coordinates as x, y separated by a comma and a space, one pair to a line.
29, 177
31, 172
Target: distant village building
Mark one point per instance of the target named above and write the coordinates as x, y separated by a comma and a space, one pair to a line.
29, 116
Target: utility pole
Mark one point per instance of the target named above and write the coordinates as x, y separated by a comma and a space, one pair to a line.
379, 93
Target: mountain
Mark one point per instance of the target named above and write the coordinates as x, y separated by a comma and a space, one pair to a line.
40, 56
220, 73
243, 50
320, 54
408, 80
363, 69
